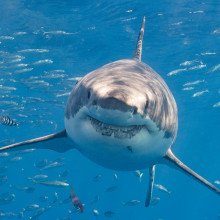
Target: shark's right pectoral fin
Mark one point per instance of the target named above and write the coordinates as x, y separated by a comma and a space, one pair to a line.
59, 142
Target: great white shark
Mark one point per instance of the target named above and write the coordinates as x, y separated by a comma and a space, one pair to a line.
121, 116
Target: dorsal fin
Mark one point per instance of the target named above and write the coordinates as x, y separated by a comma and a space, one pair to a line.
138, 50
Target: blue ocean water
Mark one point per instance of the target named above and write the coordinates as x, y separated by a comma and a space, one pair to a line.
45, 46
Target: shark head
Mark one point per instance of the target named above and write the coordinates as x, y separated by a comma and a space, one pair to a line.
122, 116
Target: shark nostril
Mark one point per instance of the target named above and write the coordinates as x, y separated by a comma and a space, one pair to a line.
134, 111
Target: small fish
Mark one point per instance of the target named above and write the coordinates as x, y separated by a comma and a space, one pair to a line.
76, 202
31, 207
109, 214
5, 120
200, 93
193, 83
26, 151
23, 188
188, 88
216, 105
96, 199
10, 215
46, 61
162, 188
217, 182
5, 154
52, 183
14, 159
39, 177
154, 201
111, 188
131, 203
41, 163
6, 198
34, 50
197, 67
20, 215
215, 68
174, 72
115, 176
39, 212
52, 165
43, 198
65, 201
95, 212
64, 174
138, 174
97, 178
3, 179
55, 197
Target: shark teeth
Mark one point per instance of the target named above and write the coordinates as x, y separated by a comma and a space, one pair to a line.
119, 132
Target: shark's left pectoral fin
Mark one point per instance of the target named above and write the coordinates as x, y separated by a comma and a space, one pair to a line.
59, 142
151, 184
174, 162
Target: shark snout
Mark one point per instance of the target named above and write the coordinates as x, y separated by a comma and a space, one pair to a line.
116, 104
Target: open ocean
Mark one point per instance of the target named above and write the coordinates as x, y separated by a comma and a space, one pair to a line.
46, 46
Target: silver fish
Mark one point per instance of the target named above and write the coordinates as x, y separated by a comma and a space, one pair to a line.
20, 215
6, 198
39, 177
14, 159
109, 214
43, 198
115, 176
111, 188
55, 198
39, 212
3, 179
5, 154
131, 203
41, 163
26, 151
154, 201
138, 174
217, 182
95, 212
22, 188
64, 174
97, 178
52, 165
31, 207
162, 188
96, 199
52, 183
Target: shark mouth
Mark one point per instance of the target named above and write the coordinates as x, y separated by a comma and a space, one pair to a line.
119, 132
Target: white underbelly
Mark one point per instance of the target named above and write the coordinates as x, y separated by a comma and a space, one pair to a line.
139, 152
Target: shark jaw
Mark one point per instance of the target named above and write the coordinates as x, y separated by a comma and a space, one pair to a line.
117, 140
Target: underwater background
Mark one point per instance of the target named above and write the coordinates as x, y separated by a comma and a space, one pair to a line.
46, 46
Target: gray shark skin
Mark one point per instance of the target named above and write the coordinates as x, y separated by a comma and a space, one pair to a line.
121, 116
